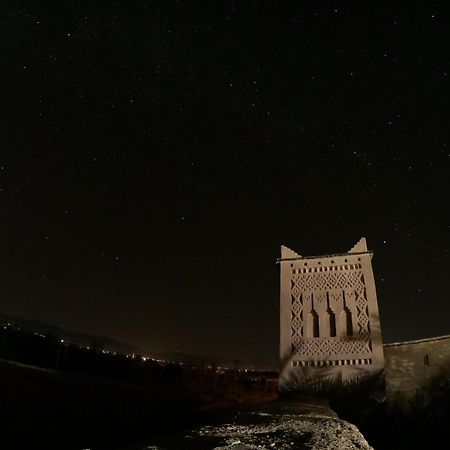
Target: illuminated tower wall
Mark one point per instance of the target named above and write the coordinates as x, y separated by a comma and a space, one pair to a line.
329, 320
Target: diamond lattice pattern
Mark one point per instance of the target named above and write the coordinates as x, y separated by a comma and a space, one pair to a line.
350, 281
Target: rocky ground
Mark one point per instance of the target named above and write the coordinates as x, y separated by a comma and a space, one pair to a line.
301, 432
284, 424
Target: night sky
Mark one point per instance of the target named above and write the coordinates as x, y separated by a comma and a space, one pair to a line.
155, 155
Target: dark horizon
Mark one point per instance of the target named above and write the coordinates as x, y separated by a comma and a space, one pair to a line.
157, 155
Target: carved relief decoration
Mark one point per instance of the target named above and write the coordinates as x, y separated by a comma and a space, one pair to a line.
340, 293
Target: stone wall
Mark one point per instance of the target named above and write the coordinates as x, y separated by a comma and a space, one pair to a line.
412, 366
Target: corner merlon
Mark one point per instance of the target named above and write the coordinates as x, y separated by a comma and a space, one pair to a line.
359, 247
287, 253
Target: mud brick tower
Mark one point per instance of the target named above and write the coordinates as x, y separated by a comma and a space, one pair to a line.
329, 320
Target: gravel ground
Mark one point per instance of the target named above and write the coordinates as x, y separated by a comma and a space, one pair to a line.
301, 424
284, 432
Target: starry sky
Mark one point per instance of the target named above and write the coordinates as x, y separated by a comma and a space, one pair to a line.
156, 154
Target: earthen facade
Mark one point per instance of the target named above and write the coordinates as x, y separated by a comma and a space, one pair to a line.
329, 320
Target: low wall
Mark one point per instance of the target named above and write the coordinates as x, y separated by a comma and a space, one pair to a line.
412, 366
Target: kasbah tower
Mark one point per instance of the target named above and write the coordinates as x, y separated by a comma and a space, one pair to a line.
329, 320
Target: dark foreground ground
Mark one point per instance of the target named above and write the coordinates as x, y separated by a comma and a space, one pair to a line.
48, 409
298, 424
44, 408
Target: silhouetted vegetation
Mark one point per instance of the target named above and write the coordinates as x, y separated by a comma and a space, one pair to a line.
387, 424
332, 387
419, 423
61, 395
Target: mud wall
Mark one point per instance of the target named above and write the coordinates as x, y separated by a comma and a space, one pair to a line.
414, 365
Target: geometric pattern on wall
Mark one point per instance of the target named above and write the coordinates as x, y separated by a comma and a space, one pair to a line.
319, 284
331, 346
